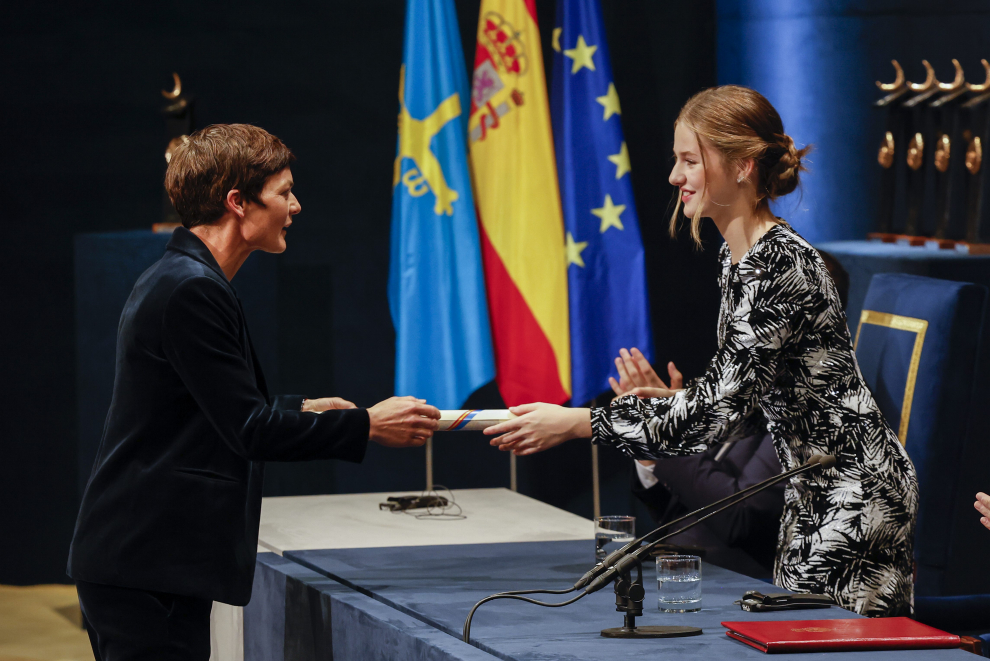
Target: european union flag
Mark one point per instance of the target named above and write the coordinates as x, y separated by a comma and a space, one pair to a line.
443, 349
605, 263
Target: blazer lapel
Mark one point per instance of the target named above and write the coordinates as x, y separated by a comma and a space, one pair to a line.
189, 244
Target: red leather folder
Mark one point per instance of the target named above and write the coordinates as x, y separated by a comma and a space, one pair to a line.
889, 633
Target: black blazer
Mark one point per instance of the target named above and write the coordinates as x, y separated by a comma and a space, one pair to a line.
174, 499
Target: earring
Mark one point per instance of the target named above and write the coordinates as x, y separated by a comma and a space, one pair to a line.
739, 180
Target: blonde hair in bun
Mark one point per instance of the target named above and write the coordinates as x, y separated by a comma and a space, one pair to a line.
739, 123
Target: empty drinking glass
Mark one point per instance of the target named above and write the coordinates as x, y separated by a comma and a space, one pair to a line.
679, 583
612, 533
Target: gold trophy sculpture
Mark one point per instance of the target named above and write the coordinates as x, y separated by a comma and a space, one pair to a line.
179, 123
934, 136
918, 149
892, 142
944, 212
974, 119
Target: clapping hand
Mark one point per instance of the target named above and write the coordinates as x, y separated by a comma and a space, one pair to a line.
982, 506
637, 377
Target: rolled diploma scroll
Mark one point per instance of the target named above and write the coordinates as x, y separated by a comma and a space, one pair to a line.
472, 419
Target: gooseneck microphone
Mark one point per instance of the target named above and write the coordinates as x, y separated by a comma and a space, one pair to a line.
619, 563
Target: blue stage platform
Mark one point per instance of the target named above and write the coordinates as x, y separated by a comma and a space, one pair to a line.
410, 603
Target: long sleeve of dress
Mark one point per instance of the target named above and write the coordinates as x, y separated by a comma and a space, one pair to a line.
784, 346
763, 309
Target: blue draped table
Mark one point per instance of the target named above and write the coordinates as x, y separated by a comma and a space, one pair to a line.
410, 603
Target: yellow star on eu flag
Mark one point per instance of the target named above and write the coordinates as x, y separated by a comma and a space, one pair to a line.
582, 55
574, 249
609, 213
610, 101
555, 38
621, 161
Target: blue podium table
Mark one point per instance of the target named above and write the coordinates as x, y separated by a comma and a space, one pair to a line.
410, 602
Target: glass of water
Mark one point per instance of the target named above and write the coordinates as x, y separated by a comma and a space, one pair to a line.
679, 583
612, 533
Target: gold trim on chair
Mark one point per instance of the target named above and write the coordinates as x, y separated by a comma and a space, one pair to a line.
917, 326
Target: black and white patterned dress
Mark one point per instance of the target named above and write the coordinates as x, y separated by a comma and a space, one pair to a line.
784, 347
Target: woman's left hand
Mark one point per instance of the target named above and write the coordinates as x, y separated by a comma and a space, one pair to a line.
540, 427
635, 372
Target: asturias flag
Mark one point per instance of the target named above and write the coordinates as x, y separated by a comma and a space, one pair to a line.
443, 349
606, 271
522, 233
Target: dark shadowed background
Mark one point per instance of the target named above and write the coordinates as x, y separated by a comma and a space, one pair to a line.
83, 152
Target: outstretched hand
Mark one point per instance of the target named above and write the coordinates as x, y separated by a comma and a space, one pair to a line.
982, 506
401, 422
540, 427
636, 373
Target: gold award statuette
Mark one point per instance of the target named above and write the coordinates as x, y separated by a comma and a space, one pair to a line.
916, 151
886, 155
473, 419
974, 155
943, 152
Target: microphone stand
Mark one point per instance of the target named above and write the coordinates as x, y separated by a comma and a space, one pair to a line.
616, 555
618, 566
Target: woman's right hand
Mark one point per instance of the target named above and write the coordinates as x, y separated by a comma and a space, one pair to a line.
635, 372
402, 422
539, 427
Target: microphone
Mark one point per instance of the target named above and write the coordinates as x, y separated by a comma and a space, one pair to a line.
619, 563
824, 461
616, 555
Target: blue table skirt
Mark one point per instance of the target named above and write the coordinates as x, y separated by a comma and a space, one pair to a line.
437, 585
300, 615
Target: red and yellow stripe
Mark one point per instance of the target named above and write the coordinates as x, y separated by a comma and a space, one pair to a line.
515, 186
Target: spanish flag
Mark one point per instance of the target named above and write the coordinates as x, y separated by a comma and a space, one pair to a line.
522, 227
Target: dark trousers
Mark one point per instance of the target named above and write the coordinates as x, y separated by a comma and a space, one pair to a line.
126, 624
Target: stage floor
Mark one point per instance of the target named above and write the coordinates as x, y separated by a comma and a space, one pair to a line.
42, 623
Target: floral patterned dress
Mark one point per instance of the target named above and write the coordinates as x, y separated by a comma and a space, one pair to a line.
784, 347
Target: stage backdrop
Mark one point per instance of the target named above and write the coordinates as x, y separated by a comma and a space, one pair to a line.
817, 60
84, 153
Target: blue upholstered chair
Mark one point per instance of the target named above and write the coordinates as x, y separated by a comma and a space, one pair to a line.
918, 344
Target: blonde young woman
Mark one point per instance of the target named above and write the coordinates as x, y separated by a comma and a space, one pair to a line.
783, 347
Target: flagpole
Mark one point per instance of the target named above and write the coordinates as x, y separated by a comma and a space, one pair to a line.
513, 483
429, 464
596, 495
